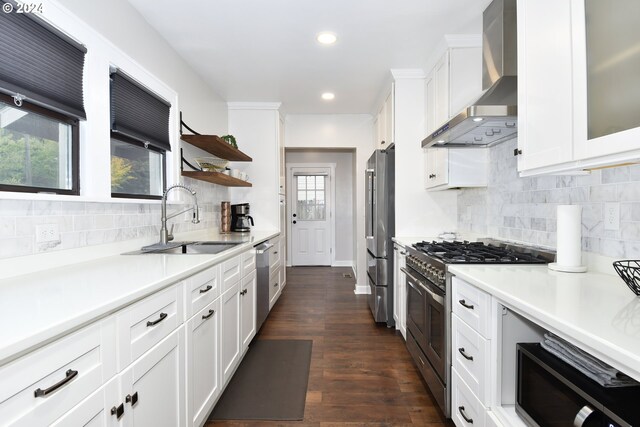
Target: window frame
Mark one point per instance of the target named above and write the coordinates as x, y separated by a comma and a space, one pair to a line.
122, 138
75, 150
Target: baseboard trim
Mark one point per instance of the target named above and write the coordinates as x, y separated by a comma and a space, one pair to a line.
342, 264
361, 290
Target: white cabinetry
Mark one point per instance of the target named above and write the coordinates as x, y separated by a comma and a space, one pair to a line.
553, 89
383, 122
456, 167
471, 376
203, 362
230, 352
95, 410
153, 385
248, 309
399, 290
455, 80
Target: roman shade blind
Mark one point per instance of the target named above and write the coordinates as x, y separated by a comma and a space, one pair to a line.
139, 114
40, 63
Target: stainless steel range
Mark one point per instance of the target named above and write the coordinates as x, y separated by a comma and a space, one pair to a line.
429, 300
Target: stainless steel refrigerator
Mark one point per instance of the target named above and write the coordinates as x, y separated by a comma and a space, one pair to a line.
380, 228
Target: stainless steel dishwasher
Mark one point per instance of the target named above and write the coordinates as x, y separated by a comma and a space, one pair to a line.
263, 252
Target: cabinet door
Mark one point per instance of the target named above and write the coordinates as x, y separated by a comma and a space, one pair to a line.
153, 385
430, 167
545, 84
95, 410
230, 331
430, 105
465, 77
382, 126
441, 167
281, 155
399, 292
388, 118
203, 363
274, 288
247, 310
441, 73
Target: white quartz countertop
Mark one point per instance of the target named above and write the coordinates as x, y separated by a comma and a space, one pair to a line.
595, 311
39, 307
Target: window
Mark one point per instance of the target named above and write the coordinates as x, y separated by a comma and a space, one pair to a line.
41, 101
139, 140
311, 197
38, 149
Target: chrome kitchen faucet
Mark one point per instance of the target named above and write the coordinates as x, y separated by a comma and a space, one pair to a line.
166, 235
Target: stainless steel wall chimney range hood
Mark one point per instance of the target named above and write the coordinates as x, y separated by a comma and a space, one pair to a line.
493, 118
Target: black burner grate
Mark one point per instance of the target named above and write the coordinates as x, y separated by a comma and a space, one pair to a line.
478, 253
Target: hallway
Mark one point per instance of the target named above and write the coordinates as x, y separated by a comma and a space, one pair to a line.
361, 374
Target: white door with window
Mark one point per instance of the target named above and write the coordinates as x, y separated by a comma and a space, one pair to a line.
311, 215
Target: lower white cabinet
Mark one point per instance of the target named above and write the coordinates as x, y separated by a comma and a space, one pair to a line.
248, 310
96, 410
399, 290
203, 363
466, 409
274, 287
230, 352
153, 386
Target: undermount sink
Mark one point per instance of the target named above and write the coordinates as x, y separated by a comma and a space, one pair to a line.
203, 247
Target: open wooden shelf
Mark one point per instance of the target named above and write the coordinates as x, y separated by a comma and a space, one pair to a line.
217, 146
216, 178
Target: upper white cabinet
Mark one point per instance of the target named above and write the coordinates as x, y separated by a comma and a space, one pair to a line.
455, 80
383, 122
447, 168
576, 100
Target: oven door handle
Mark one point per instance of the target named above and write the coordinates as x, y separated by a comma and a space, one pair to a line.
437, 298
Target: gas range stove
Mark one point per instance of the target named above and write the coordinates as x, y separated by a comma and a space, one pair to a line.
431, 258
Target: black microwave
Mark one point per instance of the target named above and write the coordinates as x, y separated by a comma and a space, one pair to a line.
551, 393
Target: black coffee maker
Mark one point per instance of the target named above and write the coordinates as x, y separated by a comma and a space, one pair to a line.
240, 218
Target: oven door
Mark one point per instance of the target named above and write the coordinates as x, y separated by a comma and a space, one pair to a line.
416, 307
435, 332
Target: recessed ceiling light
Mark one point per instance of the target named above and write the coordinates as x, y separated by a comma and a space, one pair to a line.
440, 141
327, 38
478, 119
328, 96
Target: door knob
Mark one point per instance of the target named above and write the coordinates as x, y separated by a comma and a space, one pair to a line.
295, 215
294, 221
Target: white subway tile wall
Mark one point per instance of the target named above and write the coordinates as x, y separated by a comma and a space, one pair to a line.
86, 224
524, 209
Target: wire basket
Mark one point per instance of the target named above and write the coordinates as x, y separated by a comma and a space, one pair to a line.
629, 270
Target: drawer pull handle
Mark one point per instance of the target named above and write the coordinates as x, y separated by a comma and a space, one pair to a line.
160, 319
275, 285
275, 253
464, 415
465, 305
132, 398
70, 374
421, 361
206, 316
464, 354
207, 289
118, 411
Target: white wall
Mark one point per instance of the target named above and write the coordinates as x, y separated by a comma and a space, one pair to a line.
344, 211
353, 131
114, 34
256, 129
418, 212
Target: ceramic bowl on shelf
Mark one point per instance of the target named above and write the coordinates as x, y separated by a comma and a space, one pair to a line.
244, 176
235, 173
211, 164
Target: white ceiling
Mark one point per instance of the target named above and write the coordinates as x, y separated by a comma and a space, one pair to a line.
266, 50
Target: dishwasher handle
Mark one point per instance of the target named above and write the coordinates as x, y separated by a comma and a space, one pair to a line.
260, 249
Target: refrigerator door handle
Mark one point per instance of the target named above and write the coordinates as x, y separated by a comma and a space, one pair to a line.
369, 211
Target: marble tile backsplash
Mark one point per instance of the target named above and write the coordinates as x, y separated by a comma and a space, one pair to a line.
90, 223
524, 209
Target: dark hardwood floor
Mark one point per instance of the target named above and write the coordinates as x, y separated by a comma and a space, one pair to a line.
361, 373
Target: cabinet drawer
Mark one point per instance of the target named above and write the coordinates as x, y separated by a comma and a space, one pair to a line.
40, 387
466, 409
248, 262
201, 289
231, 272
471, 358
275, 255
274, 288
471, 305
146, 323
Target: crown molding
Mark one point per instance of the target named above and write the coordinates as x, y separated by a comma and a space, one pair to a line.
253, 105
407, 73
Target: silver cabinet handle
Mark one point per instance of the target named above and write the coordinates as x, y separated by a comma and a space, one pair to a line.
465, 305
464, 415
464, 354
582, 415
69, 375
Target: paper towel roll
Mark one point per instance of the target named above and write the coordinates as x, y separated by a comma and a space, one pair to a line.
569, 238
